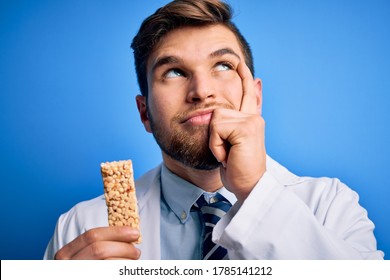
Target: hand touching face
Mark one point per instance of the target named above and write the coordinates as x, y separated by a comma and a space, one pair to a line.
237, 139
203, 105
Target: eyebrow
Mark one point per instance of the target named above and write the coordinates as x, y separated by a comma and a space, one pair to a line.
164, 60
170, 59
223, 51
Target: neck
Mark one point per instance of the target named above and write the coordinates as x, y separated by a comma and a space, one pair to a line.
208, 180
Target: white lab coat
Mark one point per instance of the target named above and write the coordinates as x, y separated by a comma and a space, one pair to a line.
285, 217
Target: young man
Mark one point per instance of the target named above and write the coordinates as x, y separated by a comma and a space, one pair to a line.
203, 106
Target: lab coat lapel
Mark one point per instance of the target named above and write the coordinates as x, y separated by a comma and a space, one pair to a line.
148, 195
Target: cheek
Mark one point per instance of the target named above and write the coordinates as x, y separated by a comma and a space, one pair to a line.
167, 99
160, 109
233, 89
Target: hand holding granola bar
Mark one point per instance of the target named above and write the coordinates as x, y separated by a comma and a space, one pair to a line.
117, 240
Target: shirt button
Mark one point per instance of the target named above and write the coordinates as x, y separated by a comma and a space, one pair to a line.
183, 215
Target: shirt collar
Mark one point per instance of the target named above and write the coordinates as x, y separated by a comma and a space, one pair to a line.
180, 194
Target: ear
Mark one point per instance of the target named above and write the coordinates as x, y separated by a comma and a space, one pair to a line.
143, 112
259, 93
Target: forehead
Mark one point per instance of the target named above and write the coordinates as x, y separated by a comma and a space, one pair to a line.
195, 43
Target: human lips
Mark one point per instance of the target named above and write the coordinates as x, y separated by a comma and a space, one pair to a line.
200, 117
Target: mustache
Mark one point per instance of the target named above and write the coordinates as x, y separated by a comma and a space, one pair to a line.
180, 117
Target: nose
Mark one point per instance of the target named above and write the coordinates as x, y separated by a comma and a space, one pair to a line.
201, 88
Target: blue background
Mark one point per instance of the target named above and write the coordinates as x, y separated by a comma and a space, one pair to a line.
67, 101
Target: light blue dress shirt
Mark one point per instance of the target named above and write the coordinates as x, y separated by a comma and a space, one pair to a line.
181, 227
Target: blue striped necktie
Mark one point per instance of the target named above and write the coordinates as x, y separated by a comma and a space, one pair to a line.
211, 213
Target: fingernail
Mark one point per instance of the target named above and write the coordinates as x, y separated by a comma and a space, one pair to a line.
134, 233
139, 253
224, 164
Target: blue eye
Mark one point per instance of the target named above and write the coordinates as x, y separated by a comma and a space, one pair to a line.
173, 73
224, 66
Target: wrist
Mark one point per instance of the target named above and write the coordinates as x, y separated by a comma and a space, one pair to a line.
243, 193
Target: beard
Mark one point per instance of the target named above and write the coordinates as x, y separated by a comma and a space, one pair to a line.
186, 144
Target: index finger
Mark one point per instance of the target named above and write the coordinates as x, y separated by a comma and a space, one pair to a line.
249, 99
123, 234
